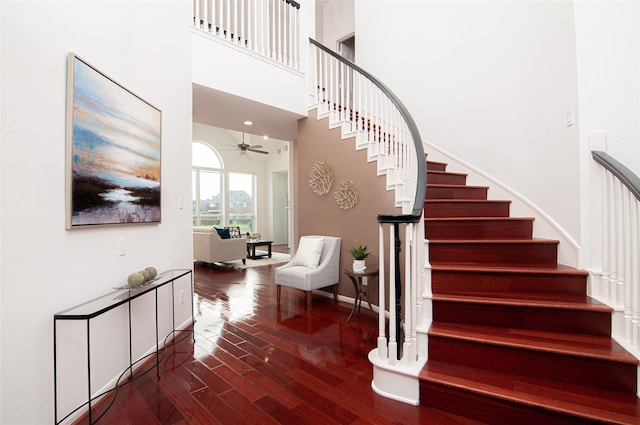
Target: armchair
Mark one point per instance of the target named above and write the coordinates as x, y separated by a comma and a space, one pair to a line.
209, 247
315, 265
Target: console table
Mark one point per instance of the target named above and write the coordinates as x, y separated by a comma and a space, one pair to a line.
98, 306
251, 249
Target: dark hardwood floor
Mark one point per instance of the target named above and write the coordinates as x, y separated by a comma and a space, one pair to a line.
256, 363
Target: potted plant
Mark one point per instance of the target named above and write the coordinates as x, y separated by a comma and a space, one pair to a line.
359, 254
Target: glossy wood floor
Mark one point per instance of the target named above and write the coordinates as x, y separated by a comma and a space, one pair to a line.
255, 363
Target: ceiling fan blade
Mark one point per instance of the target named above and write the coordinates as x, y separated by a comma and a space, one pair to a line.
251, 149
255, 147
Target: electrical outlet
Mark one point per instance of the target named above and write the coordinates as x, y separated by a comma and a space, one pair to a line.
181, 297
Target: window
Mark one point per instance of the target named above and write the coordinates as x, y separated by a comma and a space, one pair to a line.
207, 186
242, 205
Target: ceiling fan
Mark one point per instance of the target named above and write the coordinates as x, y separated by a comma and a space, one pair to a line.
244, 147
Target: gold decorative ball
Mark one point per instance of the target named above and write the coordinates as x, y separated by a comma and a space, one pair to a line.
152, 272
135, 279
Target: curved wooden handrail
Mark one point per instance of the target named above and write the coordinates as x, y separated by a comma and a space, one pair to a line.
421, 185
615, 167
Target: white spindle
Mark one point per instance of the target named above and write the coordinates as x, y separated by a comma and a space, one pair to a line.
393, 345
382, 339
286, 34
281, 21
610, 249
196, 13
619, 294
205, 15
635, 279
408, 346
341, 109
242, 36
221, 14
214, 17
626, 296
294, 38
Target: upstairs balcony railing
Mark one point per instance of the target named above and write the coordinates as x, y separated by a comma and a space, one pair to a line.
367, 110
268, 28
618, 282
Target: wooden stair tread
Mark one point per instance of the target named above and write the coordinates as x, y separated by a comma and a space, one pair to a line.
454, 186
493, 268
437, 163
451, 173
495, 241
514, 335
578, 401
555, 301
461, 201
477, 219
569, 344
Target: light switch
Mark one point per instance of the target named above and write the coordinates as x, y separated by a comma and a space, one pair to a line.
122, 247
569, 117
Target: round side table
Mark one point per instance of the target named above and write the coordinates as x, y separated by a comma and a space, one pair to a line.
356, 279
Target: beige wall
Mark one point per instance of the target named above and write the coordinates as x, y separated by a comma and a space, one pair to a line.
321, 214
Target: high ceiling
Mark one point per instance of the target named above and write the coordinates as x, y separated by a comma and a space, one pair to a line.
219, 109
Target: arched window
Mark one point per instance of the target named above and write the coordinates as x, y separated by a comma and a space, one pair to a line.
207, 185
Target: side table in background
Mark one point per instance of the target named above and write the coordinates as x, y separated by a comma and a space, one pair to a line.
360, 288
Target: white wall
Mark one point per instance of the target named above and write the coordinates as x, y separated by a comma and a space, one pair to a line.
237, 71
608, 52
336, 21
145, 47
608, 55
488, 81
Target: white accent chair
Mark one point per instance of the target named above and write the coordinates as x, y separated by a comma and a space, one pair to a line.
300, 273
209, 247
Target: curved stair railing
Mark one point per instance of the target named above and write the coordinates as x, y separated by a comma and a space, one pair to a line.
366, 109
618, 282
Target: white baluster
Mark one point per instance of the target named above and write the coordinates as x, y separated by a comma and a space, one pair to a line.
242, 35
620, 220
408, 352
278, 30
214, 18
393, 344
286, 33
227, 20
627, 235
294, 38
270, 30
609, 217
382, 336
221, 25
341, 109
260, 27
205, 15
325, 81
635, 279
196, 13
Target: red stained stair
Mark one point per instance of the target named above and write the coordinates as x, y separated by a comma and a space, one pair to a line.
515, 339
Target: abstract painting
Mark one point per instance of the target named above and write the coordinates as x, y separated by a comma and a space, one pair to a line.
113, 151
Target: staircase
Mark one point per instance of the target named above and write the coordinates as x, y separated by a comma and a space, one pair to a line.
514, 339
